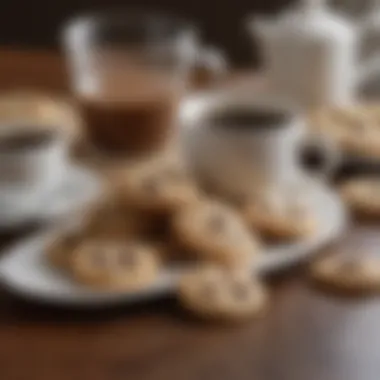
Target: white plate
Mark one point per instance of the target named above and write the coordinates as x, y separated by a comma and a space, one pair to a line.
80, 186
24, 271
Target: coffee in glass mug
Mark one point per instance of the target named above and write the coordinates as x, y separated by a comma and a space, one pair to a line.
134, 116
129, 71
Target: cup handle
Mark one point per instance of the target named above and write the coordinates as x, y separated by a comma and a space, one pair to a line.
210, 63
322, 152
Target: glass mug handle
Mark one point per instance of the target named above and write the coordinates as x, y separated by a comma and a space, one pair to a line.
320, 156
210, 66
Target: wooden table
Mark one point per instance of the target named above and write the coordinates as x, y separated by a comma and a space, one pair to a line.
305, 335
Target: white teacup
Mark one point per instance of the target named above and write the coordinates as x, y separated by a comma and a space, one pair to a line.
235, 143
32, 162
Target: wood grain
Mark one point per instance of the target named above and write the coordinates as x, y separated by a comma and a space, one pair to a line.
306, 335
40, 70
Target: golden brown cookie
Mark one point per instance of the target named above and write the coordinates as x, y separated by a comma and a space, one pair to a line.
60, 251
158, 188
214, 231
352, 274
112, 265
213, 293
362, 195
21, 108
355, 129
279, 216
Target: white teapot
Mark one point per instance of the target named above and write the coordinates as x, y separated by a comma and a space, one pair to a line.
311, 55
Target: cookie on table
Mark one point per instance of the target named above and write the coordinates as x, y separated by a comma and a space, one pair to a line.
60, 251
351, 274
160, 188
279, 216
215, 232
362, 195
213, 293
112, 265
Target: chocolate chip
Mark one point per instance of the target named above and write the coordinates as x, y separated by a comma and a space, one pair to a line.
240, 291
241, 201
217, 223
151, 184
264, 206
127, 258
209, 290
349, 266
359, 126
99, 258
173, 174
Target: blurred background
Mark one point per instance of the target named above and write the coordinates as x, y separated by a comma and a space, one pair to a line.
34, 24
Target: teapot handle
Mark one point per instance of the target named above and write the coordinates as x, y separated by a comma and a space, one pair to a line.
370, 66
212, 63
368, 69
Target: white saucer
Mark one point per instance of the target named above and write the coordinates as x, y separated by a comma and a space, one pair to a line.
24, 271
78, 187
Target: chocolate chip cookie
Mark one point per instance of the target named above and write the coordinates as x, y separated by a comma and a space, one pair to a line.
214, 231
362, 195
213, 293
112, 265
278, 215
352, 274
158, 189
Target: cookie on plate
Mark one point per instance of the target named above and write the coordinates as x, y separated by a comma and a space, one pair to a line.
362, 195
215, 232
213, 293
112, 265
351, 274
60, 251
278, 215
160, 188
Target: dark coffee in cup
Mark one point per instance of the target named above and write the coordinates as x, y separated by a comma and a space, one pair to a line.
248, 118
26, 139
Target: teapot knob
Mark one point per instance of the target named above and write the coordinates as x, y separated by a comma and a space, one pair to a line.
258, 25
312, 6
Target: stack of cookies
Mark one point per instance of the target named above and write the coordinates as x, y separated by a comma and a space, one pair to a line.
354, 269
155, 215
362, 195
355, 130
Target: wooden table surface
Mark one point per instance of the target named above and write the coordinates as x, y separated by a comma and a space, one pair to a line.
305, 335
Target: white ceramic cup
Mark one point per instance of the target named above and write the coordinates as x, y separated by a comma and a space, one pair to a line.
31, 168
233, 158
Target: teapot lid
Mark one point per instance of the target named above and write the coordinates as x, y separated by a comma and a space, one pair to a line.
313, 17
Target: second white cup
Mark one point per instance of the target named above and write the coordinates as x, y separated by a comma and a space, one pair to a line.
235, 143
33, 161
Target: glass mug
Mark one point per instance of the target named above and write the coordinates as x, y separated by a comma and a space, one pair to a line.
129, 70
